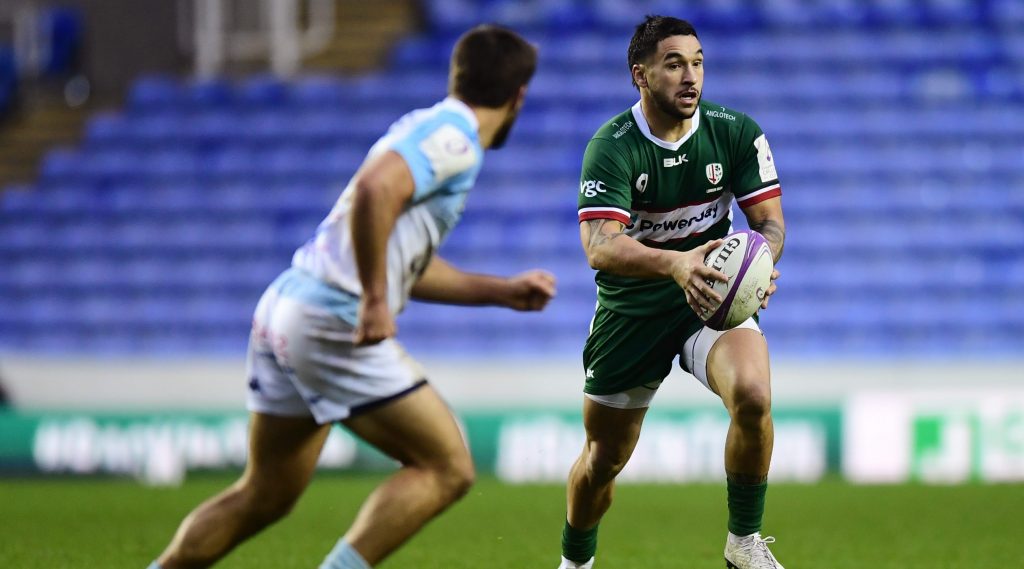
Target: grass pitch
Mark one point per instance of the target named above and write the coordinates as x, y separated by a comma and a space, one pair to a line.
102, 523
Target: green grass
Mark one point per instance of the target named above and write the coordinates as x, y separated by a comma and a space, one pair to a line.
82, 524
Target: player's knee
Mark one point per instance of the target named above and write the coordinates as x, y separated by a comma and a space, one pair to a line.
456, 476
751, 402
463, 475
604, 464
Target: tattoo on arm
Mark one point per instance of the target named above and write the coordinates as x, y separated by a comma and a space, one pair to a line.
597, 237
773, 233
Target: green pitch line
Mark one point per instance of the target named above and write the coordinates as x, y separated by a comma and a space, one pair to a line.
101, 523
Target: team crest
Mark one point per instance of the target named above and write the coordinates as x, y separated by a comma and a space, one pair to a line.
714, 172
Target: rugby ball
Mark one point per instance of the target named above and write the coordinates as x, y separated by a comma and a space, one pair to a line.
746, 259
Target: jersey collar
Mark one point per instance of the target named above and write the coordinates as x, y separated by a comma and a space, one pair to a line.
463, 109
641, 122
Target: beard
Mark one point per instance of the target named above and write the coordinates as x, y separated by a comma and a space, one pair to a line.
502, 133
667, 105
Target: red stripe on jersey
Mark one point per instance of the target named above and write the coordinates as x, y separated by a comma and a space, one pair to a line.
605, 214
712, 199
760, 198
650, 242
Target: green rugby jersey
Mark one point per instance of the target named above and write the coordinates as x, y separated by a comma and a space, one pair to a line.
671, 195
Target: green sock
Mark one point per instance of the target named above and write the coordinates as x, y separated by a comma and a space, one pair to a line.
578, 545
746, 507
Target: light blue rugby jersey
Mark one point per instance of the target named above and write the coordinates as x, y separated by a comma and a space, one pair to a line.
441, 145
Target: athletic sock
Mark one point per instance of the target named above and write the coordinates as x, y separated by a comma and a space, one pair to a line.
344, 556
154, 565
578, 545
746, 507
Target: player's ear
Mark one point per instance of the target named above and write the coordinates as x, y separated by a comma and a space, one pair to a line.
518, 99
638, 75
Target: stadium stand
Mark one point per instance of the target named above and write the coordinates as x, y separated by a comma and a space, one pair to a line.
897, 127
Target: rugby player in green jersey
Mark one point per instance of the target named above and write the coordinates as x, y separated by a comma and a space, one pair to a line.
656, 193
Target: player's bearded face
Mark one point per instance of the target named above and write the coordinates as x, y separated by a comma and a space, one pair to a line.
675, 78
669, 103
502, 134
506, 127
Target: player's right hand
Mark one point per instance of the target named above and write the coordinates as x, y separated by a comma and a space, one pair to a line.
376, 323
692, 275
530, 291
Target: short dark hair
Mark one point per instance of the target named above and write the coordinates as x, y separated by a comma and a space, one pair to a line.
651, 31
489, 65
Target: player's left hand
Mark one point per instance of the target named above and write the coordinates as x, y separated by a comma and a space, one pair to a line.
530, 291
771, 289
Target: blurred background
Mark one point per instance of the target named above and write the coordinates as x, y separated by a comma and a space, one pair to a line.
161, 161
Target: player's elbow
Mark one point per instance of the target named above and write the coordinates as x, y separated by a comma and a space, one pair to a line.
597, 258
367, 191
373, 190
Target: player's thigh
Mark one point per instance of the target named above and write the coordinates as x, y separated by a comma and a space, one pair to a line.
283, 452
626, 358
723, 353
612, 433
738, 366
417, 428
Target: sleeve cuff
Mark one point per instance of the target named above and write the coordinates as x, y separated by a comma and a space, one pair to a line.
604, 212
758, 196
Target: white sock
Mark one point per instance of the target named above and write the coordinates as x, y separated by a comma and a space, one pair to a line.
344, 556
567, 564
739, 539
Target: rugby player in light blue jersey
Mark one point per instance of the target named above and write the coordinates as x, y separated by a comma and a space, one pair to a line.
322, 347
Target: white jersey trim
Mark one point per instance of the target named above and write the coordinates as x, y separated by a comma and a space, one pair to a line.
746, 198
682, 222
594, 212
641, 123
463, 109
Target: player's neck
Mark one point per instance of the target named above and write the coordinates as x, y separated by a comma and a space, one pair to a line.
664, 126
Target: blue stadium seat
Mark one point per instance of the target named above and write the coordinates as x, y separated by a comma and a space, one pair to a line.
232, 163
107, 128
60, 164
319, 92
159, 127
209, 129
263, 91
154, 92
17, 201
209, 93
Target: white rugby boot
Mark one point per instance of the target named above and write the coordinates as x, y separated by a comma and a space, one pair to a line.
566, 564
750, 552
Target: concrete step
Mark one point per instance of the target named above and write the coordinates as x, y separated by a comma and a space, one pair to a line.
34, 131
365, 33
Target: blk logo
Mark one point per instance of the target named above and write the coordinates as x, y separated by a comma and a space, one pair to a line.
670, 162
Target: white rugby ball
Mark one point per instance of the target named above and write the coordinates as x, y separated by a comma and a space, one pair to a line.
746, 259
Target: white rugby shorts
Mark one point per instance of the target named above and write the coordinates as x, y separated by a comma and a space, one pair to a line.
302, 362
